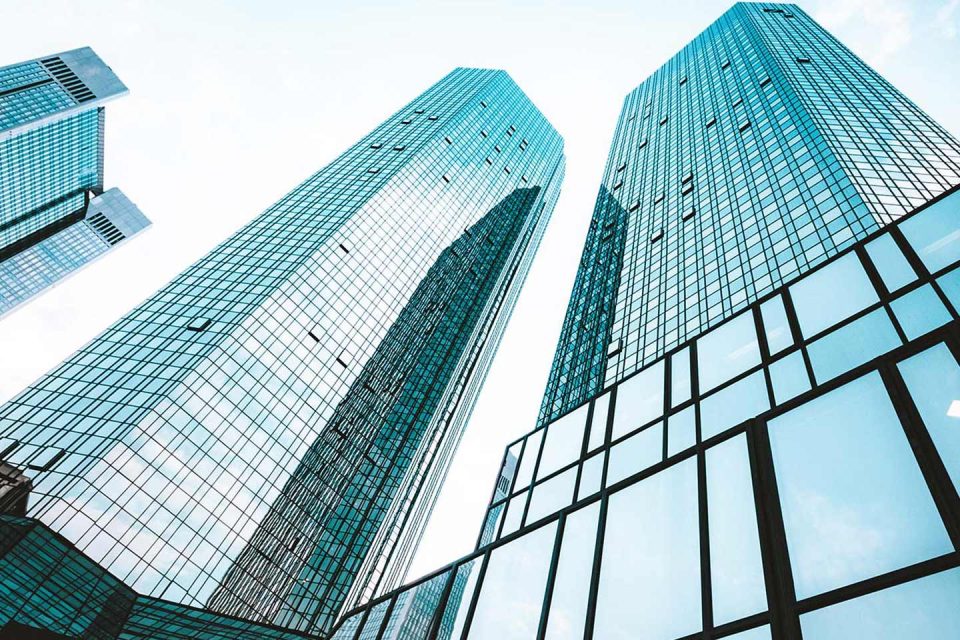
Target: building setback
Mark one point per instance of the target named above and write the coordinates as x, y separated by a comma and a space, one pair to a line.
750, 428
263, 438
54, 214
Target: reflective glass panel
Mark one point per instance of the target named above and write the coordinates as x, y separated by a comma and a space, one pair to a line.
349, 627
529, 460
568, 605
371, 626
650, 575
639, 400
775, 325
728, 350
511, 522
740, 401
950, 283
760, 633
920, 312
563, 442
850, 346
636, 453
458, 602
511, 595
414, 609
934, 233
680, 377
854, 502
598, 428
831, 294
933, 379
893, 267
552, 495
591, 476
923, 609
681, 431
736, 569
789, 377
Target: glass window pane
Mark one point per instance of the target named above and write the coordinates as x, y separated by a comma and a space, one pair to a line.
680, 377
650, 574
568, 605
831, 294
728, 350
736, 569
760, 633
636, 453
492, 523
860, 341
681, 431
854, 502
950, 283
933, 379
934, 233
511, 595
591, 476
775, 325
511, 522
529, 460
371, 626
552, 495
893, 267
563, 442
639, 400
598, 430
740, 401
920, 311
348, 629
458, 602
414, 610
789, 377
925, 608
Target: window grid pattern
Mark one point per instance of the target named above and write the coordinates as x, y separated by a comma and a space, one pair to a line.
738, 168
184, 425
728, 507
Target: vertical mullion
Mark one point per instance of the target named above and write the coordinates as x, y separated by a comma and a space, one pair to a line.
595, 574
706, 591
551, 577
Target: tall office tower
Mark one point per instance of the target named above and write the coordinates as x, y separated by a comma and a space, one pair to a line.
54, 215
265, 436
751, 429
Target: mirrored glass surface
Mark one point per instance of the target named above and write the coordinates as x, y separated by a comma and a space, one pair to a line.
775, 325
789, 378
458, 602
529, 460
831, 294
681, 431
515, 507
854, 502
552, 495
563, 442
639, 400
760, 633
650, 574
950, 284
890, 262
728, 350
591, 476
680, 377
568, 604
636, 453
934, 233
858, 342
729, 407
920, 312
598, 424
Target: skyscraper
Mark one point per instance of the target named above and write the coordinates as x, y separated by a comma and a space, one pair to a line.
750, 427
54, 215
266, 434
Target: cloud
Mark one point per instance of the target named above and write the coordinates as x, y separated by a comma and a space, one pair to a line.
875, 29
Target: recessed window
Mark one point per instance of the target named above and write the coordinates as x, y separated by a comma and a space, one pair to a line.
687, 178
418, 111
614, 347
483, 134
765, 81
448, 140
506, 170
711, 122
688, 214
483, 104
489, 161
657, 235
744, 126
431, 118
618, 185
446, 179
803, 60
663, 121
738, 102
313, 335
622, 167
496, 148
683, 80
407, 121
687, 189
725, 65
198, 324
344, 248
635, 206
659, 199
523, 179
341, 362
633, 117
399, 148
373, 170
376, 145
642, 144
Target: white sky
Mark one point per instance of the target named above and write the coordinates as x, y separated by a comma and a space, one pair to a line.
233, 103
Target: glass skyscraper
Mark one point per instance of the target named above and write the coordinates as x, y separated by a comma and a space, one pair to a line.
750, 430
264, 437
54, 215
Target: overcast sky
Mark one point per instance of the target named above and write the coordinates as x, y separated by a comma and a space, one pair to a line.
232, 104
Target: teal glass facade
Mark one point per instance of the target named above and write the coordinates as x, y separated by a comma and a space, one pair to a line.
757, 152
264, 437
51, 168
779, 467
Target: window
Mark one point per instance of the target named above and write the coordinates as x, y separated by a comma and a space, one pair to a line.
568, 604
924, 608
656, 235
935, 234
407, 121
639, 400
371, 626
727, 351
511, 521
591, 476
893, 268
551, 495
618, 185
456, 609
680, 377
765, 81
399, 148
635, 454
376, 145
933, 379
373, 170
854, 502
563, 442
689, 214
920, 312
681, 431
650, 572
635, 206
852, 345
711, 122
744, 126
803, 60
729, 407
775, 325
789, 377
831, 294
448, 140
736, 569
528, 460
659, 198
621, 167
198, 324
598, 429
511, 596
642, 144
663, 120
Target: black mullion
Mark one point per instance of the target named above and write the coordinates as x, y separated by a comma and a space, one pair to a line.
667, 400
928, 458
551, 577
584, 447
794, 325
912, 257
434, 629
781, 594
765, 357
706, 591
536, 470
595, 574
386, 616
475, 596
880, 287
